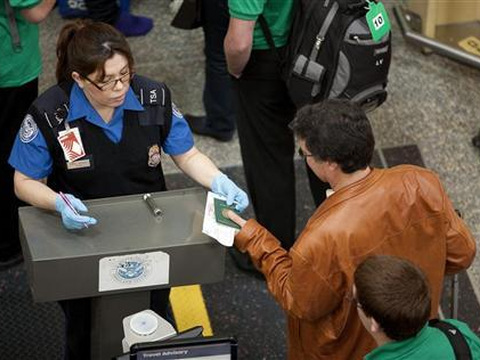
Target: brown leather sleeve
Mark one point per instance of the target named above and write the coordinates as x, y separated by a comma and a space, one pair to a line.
461, 246
297, 287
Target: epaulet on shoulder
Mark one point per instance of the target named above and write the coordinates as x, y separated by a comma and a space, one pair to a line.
52, 105
410, 168
150, 92
420, 169
413, 171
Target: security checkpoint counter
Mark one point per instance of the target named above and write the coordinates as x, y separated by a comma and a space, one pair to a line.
118, 261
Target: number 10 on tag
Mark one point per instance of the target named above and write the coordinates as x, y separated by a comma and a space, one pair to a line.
377, 20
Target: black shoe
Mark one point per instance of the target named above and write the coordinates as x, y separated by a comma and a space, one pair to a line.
243, 262
198, 126
476, 141
11, 261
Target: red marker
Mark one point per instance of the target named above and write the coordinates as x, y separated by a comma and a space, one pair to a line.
69, 204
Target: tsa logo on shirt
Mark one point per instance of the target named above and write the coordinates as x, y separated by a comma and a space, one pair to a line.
153, 96
28, 130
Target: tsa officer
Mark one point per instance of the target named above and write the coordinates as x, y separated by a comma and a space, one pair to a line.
99, 133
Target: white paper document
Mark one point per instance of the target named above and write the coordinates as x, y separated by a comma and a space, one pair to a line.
222, 233
133, 271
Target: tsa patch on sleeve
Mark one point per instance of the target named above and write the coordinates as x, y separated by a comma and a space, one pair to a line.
29, 129
175, 111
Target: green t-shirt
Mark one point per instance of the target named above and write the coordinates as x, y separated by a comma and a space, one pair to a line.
277, 13
19, 68
430, 343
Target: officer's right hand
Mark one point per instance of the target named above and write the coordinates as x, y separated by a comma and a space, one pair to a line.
70, 219
224, 186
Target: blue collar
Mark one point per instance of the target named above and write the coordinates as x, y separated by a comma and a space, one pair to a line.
81, 107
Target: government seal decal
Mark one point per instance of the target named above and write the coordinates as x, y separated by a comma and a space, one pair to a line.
133, 271
29, 129
130, 270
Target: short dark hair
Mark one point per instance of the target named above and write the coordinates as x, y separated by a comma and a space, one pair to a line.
84, 46
338, 131
395, 293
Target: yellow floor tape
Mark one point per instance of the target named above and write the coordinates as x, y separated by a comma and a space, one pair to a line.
189, 308
470, 44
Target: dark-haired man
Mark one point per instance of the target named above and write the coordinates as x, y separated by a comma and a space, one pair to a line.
401, 211
393, 302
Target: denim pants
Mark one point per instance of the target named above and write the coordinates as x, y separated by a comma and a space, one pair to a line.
217, 94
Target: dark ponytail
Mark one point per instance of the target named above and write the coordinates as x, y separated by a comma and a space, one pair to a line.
67, 33
84, 46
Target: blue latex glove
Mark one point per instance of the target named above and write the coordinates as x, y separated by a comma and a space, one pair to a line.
222, 185
70, 220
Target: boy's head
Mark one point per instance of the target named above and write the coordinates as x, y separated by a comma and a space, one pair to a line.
393, 296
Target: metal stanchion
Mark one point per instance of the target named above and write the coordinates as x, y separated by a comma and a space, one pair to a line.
454, 299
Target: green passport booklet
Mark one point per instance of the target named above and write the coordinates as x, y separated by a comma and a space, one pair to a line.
220, 206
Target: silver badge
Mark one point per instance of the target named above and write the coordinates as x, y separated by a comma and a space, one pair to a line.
154, 156
175, 111
29, 129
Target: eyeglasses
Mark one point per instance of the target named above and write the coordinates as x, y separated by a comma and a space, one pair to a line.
357, 303
302, 154
109, 85
354, 300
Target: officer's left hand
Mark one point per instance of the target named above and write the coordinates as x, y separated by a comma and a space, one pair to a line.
222, 185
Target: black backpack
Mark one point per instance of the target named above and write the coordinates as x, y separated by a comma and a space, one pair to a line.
331, 54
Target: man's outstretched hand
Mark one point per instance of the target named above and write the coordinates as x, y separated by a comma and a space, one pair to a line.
236, 218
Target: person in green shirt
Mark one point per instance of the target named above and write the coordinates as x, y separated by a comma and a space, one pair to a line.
264, 110
20, 66
393, 302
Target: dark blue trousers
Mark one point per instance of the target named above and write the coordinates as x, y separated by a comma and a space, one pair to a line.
14, 103
218, 93
103, 10
267, 145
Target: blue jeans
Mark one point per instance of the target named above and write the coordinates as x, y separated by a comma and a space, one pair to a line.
217, 94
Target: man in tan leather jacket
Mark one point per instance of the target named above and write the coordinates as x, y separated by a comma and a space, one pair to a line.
402, 211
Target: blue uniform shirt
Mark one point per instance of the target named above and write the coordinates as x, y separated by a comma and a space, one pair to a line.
30, 154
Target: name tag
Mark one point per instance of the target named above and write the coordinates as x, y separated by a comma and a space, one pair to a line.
79, 164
